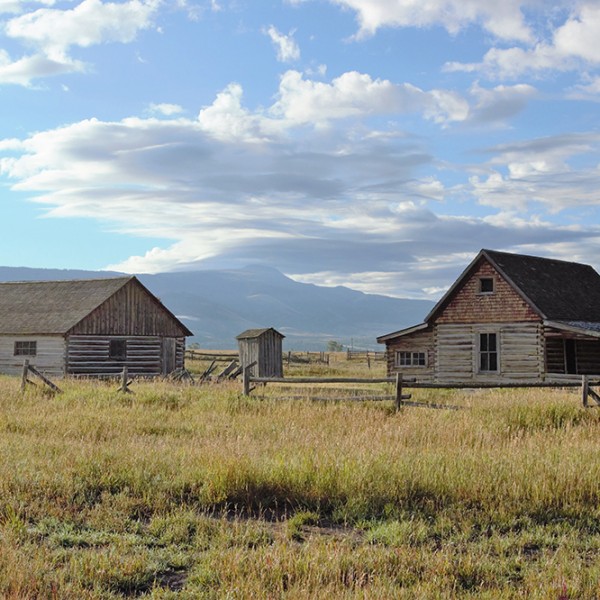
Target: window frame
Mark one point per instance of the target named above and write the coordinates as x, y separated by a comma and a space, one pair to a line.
25, 348
117, 349
488, 280
414, 357
488, 353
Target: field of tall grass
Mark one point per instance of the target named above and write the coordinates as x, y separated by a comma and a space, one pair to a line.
179, 491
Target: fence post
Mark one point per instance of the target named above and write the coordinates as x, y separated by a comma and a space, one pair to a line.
368, 360
246, 380
398, 391
24, 375
124, 377
585, 390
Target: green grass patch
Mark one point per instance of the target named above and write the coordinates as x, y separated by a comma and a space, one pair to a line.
178, 491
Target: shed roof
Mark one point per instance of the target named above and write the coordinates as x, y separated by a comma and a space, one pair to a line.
53, 307
255, 333
556, 289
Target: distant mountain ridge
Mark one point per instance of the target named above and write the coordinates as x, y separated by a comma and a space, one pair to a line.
218, 305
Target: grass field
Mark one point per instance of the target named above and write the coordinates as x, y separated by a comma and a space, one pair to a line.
177, 491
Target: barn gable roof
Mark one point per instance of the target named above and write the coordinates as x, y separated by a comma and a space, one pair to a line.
564, 294
557, 290
55, 307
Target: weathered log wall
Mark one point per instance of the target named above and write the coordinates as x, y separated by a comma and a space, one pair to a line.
89, 355
520, 352
49, 358
419, 341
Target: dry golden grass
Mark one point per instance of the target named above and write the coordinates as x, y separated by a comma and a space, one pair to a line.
182, 491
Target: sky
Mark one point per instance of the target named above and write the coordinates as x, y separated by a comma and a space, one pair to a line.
377, 144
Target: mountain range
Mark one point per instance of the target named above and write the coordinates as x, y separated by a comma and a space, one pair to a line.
217, 305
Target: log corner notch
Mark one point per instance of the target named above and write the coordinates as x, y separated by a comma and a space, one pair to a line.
27, 368
587, 391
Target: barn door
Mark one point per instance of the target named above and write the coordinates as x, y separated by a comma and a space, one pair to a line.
570, 357
169, 353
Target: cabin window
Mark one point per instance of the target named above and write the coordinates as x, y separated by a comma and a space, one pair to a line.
117, 350
488, 352
25, 349
411, 359
486, 285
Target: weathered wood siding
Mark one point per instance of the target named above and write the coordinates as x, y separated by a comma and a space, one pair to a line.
89, 355
555, 354
504, 305
49, 358
266, 350
419, 341
520, 352
131, 311
588, 357
587, 354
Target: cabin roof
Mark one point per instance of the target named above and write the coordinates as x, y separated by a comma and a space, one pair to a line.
54, 307
256, 333
563, 293
556, 289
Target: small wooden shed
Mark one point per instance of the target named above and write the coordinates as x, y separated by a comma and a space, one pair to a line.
90, 327
263, 346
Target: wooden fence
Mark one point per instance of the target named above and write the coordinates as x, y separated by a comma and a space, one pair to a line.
290, 357
225, 356
399, 397
364, 355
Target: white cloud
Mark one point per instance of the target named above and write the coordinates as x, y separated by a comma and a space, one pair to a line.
541, 172
27, 69
287, 48
9, 6
356, 94
305, 102
166, 109
500, 103
226, 118
327, 204
504, 19
90, 22
572, 44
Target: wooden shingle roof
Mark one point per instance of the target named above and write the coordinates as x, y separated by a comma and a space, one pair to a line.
52, 307
256, 333
557, 290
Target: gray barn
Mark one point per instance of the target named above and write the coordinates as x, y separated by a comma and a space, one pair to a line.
88, 327
263, 346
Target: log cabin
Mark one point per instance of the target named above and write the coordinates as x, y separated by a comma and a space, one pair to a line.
508, 318
90, 327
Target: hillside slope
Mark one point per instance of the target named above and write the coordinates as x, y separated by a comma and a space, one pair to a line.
217, 305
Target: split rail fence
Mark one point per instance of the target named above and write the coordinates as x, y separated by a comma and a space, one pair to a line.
399, 397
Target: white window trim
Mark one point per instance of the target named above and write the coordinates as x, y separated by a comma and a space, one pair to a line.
478, 355
412, 365
23, 353
481, 292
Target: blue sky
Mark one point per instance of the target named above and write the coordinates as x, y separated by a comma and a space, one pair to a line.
377, 144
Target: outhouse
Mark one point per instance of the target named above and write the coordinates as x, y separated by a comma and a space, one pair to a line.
263, 346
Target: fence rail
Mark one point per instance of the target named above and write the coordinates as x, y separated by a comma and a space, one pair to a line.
364, 355
399, 397
400, 382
